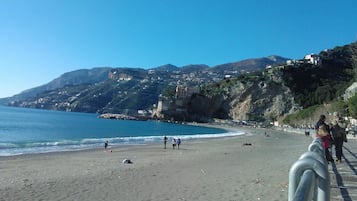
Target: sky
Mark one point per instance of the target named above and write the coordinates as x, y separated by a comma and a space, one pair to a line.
42, 39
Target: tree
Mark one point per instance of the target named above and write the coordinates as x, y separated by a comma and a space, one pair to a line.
352, 106
169, 92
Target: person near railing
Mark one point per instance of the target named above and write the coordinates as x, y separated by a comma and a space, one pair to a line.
338, 129
323, 132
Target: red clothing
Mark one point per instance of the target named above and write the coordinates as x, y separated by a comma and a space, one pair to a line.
326, 141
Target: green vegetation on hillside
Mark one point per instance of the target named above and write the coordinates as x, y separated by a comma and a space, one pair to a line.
312, 113
302, 114
352, 106
225, 86
317, 85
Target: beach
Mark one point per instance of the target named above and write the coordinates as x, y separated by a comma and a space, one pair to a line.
248, 167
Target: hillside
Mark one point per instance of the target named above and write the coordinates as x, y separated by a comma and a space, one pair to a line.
78, 77
276, 92
125, 89
244, 90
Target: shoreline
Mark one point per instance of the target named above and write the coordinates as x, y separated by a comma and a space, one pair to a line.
227, 128
143, 142
204, 169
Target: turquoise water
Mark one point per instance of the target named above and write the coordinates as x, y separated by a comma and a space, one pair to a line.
24, 131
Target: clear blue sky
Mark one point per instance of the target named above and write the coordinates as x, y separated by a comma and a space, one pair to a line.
42, 39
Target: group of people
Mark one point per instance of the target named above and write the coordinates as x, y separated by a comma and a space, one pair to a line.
332, 133
175, 142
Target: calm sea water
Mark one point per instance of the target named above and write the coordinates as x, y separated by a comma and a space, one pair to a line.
24, 131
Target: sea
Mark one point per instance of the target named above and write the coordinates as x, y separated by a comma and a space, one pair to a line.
31, 131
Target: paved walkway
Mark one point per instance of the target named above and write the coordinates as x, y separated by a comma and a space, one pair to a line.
344, 175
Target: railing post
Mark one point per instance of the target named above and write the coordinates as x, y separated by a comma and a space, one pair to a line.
303, 186
307, 184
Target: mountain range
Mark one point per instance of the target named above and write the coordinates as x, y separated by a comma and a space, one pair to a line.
79, 90
269, 89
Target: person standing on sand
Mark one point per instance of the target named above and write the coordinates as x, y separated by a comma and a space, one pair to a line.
165, 141
178, 143
338, 129
173, 143
106, 144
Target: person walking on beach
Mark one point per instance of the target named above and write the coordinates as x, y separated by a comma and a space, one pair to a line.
173, 143
106, 144
338, 129
165, 141
178, 143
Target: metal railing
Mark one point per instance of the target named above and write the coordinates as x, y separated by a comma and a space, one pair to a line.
309, 178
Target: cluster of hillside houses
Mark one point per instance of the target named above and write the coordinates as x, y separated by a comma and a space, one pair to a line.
312, 59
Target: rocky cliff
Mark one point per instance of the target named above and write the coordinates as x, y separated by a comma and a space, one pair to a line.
260, 96
279, 90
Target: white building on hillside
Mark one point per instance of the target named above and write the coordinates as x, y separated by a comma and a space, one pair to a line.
313, 59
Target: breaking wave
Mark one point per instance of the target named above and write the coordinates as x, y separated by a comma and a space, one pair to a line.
13, 148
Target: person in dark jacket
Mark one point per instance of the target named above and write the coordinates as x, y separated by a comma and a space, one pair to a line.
338, 127
321, 120
165, 141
